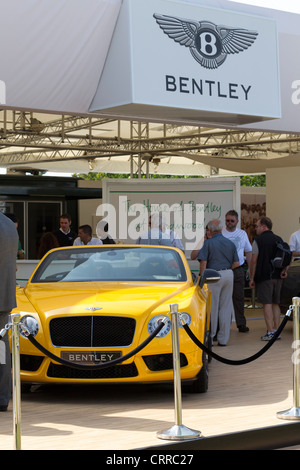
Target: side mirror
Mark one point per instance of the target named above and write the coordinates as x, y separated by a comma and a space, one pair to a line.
208, 277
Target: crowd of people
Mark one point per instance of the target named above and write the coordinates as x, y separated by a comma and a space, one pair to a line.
229, 251
65, 236
226, 249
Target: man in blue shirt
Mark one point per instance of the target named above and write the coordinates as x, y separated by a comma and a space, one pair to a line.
220, 254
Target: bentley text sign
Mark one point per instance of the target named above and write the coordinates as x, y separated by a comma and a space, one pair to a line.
174, 61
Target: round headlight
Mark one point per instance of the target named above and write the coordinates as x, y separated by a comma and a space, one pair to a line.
186, 317
31, 324
155, 322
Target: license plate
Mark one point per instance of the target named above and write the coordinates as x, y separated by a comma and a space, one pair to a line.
90, 357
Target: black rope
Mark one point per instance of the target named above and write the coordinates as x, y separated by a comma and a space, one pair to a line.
242, 361
95, 366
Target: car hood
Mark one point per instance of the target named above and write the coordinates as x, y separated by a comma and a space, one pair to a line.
122, 298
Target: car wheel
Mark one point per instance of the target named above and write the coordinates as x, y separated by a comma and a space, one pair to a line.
200, 385
209, 344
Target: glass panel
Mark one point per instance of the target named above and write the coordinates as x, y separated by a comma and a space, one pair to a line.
42, 217
16, 208
112, 264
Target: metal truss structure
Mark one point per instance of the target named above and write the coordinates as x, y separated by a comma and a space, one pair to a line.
28, 138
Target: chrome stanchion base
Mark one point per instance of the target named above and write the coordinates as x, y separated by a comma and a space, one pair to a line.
292, 413
179, 433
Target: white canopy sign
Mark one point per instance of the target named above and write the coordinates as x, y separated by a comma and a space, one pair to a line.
185, 62
54, 53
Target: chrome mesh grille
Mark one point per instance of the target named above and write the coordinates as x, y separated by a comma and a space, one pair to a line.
92, 331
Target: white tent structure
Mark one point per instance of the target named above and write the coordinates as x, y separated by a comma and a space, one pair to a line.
51, 67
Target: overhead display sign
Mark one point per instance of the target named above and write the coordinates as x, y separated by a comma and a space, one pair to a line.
174, 61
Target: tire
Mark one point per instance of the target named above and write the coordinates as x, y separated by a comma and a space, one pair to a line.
209, 344
200, 385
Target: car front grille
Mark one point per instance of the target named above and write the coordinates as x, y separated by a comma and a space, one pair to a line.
114, 372
92, 331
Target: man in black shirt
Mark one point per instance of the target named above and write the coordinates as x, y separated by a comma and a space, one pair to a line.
65, 235
268, 281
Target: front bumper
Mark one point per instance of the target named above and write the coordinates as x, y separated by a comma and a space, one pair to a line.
143, 368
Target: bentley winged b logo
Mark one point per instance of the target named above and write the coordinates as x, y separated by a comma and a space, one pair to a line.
93, 309
209, 43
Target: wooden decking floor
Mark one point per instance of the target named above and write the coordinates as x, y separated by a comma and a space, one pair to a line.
114, 417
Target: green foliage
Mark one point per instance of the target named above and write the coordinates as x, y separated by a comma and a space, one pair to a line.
253, 180
100, 176
246, 180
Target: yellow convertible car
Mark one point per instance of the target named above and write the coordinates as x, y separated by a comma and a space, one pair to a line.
93, 305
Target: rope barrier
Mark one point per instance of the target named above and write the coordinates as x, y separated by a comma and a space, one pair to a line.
95, 366
149, 339
187, 329
241, 361
176, 432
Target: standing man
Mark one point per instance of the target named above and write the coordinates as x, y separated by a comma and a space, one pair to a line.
295, 244
8, 248
268, 280
220, 254
65, 236
85, 237
155, 235
240, 239
20, 253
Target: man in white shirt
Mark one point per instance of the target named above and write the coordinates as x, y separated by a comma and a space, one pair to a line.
175, 240
85, 237
244, 249
295, 244
155, 234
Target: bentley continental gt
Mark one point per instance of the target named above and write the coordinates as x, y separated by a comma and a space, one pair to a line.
94, 305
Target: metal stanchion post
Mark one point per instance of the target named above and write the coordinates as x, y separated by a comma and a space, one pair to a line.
294, 412
178, 431
253, 304
15, 343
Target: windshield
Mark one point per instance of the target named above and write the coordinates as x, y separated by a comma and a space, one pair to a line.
109, 263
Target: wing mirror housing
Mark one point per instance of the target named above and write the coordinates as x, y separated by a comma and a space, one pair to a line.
209, 276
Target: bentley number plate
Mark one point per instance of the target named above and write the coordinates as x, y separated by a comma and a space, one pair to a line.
90, 357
